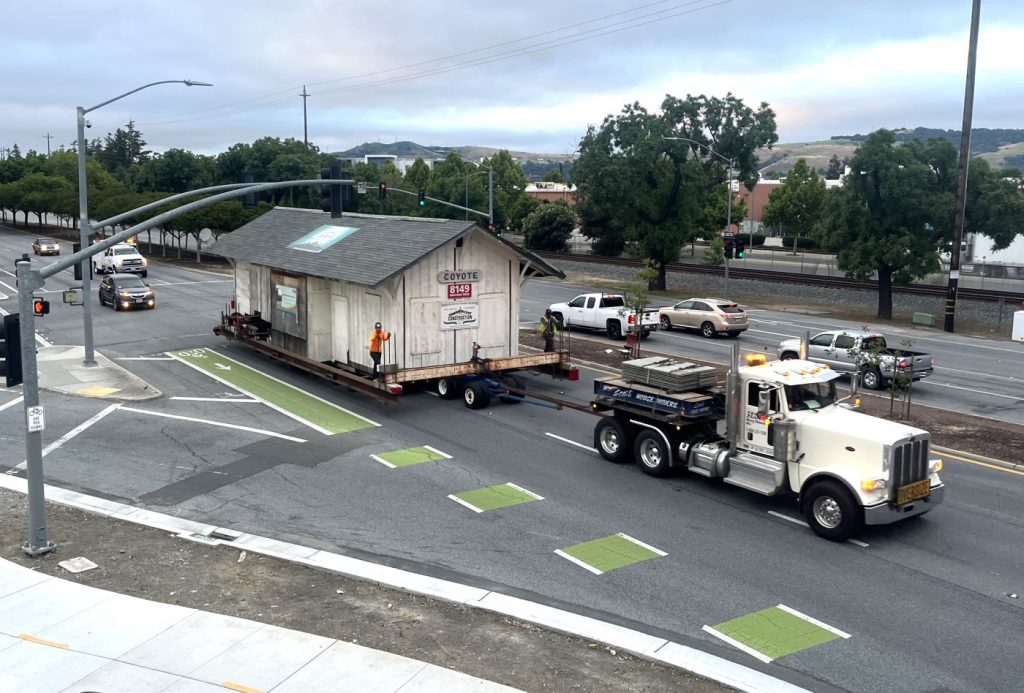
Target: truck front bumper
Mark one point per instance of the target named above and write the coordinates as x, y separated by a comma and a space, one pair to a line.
885, 513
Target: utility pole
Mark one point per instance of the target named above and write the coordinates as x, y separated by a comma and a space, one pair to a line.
48, 138
961, 176
305, 121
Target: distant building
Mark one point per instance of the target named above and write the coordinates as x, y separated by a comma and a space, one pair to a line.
756, 201
402, 163
549, 192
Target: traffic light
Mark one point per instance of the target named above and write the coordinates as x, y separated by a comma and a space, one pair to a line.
24, 258
75, 247
40, 306
382, 190
10, 350
348, 192
423, 198
330, 195
740, 250
728, 248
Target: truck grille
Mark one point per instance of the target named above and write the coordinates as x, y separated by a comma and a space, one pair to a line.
909, 462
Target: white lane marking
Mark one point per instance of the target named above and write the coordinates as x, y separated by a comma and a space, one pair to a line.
523, 490
215, 423
464, 503
977, 392
144, 358
438, 452
8, 286
737, 644
578, 562
819, 624
7, 405
796, 521
69, 435
39, 338
983, 375
570, 442
640, 543
207, 281
216, 399
383, 461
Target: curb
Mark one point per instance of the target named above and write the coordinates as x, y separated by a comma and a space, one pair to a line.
643, 645
971, 457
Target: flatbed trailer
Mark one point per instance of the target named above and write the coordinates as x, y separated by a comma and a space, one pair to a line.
478, 380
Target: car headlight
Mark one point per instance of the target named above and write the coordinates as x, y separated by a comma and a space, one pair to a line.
873, 484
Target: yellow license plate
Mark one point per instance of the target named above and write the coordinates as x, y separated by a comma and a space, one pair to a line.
913, 492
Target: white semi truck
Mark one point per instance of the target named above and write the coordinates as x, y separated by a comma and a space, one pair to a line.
775, 428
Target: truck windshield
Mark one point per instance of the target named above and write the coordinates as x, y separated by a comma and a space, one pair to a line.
124, 251
810, 396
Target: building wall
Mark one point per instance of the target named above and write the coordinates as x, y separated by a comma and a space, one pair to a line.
550, 192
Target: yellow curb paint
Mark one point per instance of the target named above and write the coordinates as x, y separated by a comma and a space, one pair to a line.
240, 688
97, 391
40, 641
946, 455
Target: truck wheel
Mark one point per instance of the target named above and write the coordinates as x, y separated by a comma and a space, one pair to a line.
145, 273
477, 395
614, 329
448, 388
611, 441
708, 330
831, 511
872, 379
788, 355
651, 453
666, 324
558, 318
516, 382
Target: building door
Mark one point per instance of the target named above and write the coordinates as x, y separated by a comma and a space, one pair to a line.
340, 330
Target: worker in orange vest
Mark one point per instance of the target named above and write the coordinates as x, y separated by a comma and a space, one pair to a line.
377, 339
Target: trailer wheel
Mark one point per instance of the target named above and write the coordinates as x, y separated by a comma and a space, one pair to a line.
831, 511
447, 388
611, 440
513, 381
477, 395
651, 453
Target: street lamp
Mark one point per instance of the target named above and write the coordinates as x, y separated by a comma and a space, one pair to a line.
85, 229
728, 182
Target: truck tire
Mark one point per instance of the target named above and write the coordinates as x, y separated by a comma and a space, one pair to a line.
447, 388
788, 355
708, 330
872, 379
558, 318
652, 454
477, 395
516, 382
611, 440
614, 329
831, 511
145, 273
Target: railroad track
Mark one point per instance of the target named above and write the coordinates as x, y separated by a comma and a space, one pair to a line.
798, 278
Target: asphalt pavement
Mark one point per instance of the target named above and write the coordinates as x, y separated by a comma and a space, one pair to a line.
58, 635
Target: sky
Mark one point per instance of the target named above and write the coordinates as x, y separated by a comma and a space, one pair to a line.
515, 75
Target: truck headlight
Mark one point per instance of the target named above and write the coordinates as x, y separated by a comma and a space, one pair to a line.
935, 466
873, 484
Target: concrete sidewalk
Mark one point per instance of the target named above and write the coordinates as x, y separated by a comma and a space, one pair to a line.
57, 635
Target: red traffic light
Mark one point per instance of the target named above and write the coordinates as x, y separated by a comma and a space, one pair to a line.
40, 306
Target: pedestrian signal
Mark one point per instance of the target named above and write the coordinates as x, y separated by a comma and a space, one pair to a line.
40, 306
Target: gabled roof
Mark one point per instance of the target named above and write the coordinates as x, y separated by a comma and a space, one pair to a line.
365, 249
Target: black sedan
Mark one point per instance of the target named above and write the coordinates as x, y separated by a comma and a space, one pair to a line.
126, 291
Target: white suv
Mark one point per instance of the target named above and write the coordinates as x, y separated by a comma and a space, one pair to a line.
120, 258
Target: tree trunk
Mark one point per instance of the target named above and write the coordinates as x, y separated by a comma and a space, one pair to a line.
884, 293
658, 284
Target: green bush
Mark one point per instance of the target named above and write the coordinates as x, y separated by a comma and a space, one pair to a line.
802, 242
549, 227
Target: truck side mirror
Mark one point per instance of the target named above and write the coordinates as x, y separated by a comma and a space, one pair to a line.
764, 399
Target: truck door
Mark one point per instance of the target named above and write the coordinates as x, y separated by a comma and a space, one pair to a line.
819, 348
756, 434
589, 310
574, 313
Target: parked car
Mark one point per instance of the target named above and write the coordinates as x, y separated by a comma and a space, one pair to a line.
849, 351
45, 246
126, 291
712, 316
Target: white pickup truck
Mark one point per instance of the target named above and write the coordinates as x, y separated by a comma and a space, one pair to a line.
120, 258
607, 312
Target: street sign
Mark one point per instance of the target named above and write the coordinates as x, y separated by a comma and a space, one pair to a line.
34, 415
72, 296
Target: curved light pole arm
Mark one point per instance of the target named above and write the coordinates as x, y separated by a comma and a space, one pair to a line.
186, 82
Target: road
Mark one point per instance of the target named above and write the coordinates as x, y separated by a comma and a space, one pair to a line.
975, 376
926, 604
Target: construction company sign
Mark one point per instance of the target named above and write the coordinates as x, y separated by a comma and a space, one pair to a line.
460, 316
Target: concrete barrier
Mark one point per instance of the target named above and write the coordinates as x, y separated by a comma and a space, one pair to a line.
923, 319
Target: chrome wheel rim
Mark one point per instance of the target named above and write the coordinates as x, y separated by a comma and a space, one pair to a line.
442, 387
827, 512
610, 440
650, 453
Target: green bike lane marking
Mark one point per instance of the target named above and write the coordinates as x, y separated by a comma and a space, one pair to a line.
775, 632
308, 409
608, 553
495, 497
410, 456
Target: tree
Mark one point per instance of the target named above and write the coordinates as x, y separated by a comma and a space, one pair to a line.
797, 204
510, 199
122, 149
893, 213
637, 296
835, 168
636, 188
549, 226
554, 176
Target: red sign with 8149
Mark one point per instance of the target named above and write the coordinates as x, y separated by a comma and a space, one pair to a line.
460, 290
